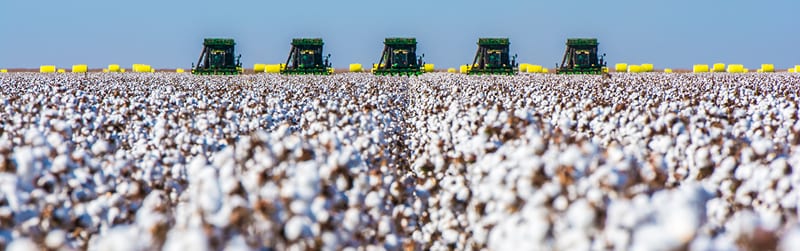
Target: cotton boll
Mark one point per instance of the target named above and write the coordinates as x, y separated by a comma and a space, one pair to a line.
189, 239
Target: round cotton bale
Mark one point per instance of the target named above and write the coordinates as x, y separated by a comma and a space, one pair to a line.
451, 70
428, 67
47, 68
152, 70
535, 69
545, 70
272, 68
797, 68
791, 70
647, 67
621, 67
80, 68
735, 68
113, 68
61, 71
463, 69
700, 68
767, 68
634, 68
179, 70
667, 70
105, 70
259, 67
122, 70
3, 70
718, 67
355, 67
141, 68
523, 67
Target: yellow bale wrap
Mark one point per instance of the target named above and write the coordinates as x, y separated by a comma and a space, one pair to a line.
735, 68
464, 69
272, 68
122, 70
3, 70
179, 70
61, 71
451, 70
545, 70
535, 68
700, 68
718, 67
634, 68
428, 67
80, 68
621, 67
113, 68
797, 68
105, 70
142, 68
767, 68
791, 70
259, 67
667, 70
47, 68
355, 67
647, 67
523, 67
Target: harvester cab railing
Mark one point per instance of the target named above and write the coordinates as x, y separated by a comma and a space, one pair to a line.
581, 57
399, 57
217, 58
493, 57
305, 57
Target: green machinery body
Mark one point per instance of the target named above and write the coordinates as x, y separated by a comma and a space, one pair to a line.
305, 57
493, 57
399, 57
581, 57
217, 58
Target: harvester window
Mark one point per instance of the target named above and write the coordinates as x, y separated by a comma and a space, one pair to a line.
495, 57
582, 58
400, 57
307, 58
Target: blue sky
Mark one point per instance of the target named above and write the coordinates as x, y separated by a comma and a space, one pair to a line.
168, 34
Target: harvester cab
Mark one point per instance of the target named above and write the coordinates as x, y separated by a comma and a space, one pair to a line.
305, 57
217, 58
399, 57
493, 57
581, 57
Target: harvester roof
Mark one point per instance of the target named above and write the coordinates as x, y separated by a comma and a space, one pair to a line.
493, 41
218, 41
307, 41
400, 41
582, 42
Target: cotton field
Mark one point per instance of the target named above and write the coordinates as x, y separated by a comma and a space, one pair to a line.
438, 162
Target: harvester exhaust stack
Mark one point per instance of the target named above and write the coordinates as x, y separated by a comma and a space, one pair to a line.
581, 57
492, 57
399, 57
305, 57
217, 58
